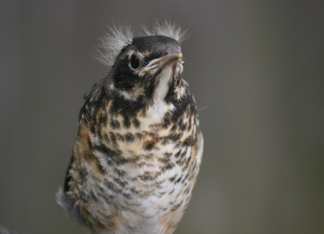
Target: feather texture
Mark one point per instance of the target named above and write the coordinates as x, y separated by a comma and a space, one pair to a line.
167, 29
113, 42
119, 36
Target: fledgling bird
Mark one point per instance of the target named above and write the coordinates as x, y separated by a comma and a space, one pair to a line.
138, 149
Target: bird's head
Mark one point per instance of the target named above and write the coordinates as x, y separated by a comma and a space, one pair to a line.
147, 66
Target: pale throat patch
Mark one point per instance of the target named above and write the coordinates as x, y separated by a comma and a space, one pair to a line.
159, 107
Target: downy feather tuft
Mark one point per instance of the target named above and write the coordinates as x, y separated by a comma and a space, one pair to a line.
113, 42
119, 36
167, 29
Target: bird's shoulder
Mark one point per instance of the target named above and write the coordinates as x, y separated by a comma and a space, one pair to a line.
95, 98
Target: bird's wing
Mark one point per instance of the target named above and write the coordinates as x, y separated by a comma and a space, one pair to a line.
92, 100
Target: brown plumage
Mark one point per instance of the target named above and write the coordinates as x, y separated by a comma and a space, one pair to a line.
138, 149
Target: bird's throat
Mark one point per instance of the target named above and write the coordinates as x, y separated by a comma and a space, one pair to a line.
159, 106
162, 86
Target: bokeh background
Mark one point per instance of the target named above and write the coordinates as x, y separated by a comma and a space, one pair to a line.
256, 70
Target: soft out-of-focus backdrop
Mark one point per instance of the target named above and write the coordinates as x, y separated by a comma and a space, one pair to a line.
255, 67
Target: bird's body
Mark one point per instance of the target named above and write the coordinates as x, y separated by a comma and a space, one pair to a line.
138, 150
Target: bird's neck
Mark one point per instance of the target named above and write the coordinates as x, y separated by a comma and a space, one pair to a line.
163, 85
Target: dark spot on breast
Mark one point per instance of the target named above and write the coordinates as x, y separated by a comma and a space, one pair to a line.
174, 137
119, 137
112, 156
120, 182
165, 142
172, 178
114, 124
138, 136
150, 134
180, 122
93, 197
142, 164
181, 161
148, 145
133, 159
126, 122
160, 195
171, 191
178, 145
119, 172
189, 141
134, 191
148, 176
100, 168
184, 152
166, 123
110, 186
174, 208
178, 180
136, 123
83, 172
174, 127
188, 190
182, 127
93, 129
105, 136
129, 137
112, 137
169, 166
155, 127
127, 196
148, 157
164, 160
103, 119
185, 178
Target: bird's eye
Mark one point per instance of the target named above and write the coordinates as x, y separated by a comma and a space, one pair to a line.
134, 62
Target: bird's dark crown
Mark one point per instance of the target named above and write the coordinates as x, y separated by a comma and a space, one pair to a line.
156, 45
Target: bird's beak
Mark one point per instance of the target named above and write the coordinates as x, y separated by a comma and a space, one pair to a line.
168, 60
157, 65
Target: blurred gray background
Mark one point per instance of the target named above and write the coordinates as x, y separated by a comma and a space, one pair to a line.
255, 68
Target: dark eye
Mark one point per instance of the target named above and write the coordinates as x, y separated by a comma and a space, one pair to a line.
134, 62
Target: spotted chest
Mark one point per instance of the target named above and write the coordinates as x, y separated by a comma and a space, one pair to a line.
138, 149
140, 163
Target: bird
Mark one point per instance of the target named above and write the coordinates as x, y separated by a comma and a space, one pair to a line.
138, 148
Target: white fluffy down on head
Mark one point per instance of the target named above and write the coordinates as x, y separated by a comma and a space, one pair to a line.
115, 39
167, 29
119, 36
